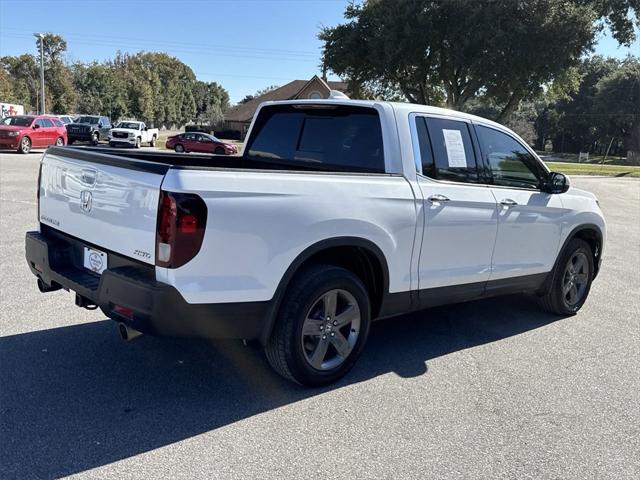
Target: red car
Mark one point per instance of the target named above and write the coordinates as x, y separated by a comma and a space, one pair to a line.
24, 132
201, 143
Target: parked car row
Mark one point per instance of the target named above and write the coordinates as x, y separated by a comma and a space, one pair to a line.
24, 132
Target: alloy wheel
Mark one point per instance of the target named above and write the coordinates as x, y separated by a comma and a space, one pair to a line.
330, 329
575, 279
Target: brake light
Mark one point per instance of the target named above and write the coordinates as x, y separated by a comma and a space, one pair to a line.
182, 218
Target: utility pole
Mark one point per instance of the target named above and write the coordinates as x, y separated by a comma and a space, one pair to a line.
41, 37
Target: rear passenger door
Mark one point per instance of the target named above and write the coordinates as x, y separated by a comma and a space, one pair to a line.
460, 213
38, 134
529, 219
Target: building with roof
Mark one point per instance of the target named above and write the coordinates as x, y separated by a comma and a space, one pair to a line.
239, 117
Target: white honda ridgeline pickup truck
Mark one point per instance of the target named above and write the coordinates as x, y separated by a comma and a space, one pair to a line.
337, 213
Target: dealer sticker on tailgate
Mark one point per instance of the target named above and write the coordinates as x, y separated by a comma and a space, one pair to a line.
95, 260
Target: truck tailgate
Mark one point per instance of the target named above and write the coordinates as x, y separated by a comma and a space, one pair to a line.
108, 201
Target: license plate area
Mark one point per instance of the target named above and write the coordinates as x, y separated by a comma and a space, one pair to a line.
95, 260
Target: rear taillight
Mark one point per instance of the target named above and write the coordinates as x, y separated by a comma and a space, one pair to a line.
180, 229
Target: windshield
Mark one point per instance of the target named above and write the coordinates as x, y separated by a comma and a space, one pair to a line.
18, 121
130, 125
91, 120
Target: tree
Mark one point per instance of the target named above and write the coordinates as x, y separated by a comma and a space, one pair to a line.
617, 100
24, 78
259, 93
448, 52
211, 102
61, 96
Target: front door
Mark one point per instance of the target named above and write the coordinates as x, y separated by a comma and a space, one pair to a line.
460, 213
529, 219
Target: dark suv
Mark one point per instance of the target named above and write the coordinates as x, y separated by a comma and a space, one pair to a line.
89, 128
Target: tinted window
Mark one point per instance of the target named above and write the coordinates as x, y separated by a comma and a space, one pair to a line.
453, 154
339, 138
189, 136
426, 154
511, 163
57, 122
91, 120
39, 122
18, 121
46, 122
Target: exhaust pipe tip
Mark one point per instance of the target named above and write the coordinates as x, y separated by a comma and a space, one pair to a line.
127, 333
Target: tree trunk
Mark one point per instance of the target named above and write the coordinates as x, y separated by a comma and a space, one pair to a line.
510, 107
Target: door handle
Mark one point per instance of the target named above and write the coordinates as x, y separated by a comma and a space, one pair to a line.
508, 203
437, 198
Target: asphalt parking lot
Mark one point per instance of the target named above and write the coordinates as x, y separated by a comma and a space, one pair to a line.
488, 389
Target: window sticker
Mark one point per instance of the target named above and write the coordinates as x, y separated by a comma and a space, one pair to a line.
455, 148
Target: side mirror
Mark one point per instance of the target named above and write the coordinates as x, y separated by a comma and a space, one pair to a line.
557, 183
36, 126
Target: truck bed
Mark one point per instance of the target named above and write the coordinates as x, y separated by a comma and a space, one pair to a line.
159, 162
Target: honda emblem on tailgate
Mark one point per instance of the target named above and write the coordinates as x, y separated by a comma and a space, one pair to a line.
86, 199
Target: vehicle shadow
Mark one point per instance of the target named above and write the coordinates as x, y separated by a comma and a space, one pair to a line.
76, 398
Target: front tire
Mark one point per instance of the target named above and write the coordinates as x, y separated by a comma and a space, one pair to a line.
571, 280
25, 145
138, 142
322, 326
219, 151
95, 139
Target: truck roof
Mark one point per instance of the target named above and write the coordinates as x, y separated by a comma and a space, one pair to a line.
403, 107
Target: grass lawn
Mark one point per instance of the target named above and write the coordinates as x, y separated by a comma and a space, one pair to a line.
594, 169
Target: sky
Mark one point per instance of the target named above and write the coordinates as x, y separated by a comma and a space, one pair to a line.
244, 45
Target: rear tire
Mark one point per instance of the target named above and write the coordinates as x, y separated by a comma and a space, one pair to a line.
179, 148
25, 145
152, 143
322, 326
571, 279
59, 142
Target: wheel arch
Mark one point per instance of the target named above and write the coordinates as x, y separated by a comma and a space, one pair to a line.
590, 233
358, 255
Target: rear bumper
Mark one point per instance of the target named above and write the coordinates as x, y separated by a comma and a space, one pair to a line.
158, 308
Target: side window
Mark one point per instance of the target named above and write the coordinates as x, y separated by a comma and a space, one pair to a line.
57, 122
453, 155
426, 153
47, 123
189, 136
105, 122
510, 163
39, 122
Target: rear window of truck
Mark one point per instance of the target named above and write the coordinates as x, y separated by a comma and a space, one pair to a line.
323, 137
